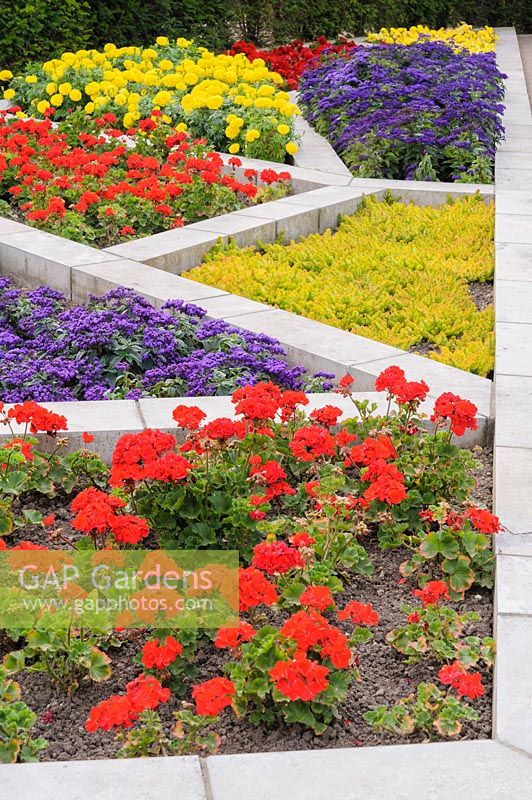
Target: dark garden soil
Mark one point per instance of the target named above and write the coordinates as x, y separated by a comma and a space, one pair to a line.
385, 678
481, 294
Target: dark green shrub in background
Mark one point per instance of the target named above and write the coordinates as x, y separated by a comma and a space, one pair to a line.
35, 30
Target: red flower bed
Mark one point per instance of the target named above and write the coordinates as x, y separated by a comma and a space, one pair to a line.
96, 188
291, 60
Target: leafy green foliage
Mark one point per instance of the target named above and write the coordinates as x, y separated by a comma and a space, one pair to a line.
428, 711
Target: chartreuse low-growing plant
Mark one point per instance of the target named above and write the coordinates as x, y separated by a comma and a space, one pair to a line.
16, 723
392, 272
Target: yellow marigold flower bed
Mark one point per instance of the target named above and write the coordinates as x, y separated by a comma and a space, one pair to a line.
463, 36
231, 101
392, 272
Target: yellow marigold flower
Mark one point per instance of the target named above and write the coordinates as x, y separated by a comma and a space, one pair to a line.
214, 102
9, 94
92, 88
42, 105
252, 134
234, 148
31, 79
162, 98
291, 148
283, 129
89, 108
5, 75
181, 42
163, 41
56, 100
75, 95
65, 88
181, 127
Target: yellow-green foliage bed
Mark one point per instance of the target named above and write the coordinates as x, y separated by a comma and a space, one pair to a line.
392, 272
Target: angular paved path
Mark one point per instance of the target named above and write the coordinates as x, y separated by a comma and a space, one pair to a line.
525, 46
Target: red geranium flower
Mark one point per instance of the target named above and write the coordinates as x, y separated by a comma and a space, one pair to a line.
213, 696
432, 593
159, 656
318, 597
276, 557
230, 638
359, 613
255, 589
300, 679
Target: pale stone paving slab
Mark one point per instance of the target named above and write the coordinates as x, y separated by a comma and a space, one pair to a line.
513, 687
513, 262
155, 285
398, 772
136, 779
514, 349
514, 228
514, 578
513, 300
513, 403
513, 481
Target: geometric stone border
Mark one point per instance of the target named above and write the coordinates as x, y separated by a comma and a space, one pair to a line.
492, 769
513, 387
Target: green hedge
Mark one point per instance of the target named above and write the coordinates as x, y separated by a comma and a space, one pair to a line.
41, 29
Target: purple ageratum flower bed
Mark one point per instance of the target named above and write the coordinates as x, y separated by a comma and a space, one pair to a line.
422, 111
119, 346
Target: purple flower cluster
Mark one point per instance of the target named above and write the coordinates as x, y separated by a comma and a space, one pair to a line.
420, 111
119, 346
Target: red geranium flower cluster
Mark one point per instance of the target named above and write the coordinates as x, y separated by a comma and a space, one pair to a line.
270, 474
290, 60
312, 442
147, 455
38, 418
276, 557
393, 381
222, 429
386, 483
255, 589
466, 684
159, 656
144, 693
96, 513
258, 402
317, 597
483, 520
359, 613
300, 678
109, 190
302, 539
432, 593
311, 630
213, 696
230, 638
460, 413
327, 416
371, 449
189, 417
